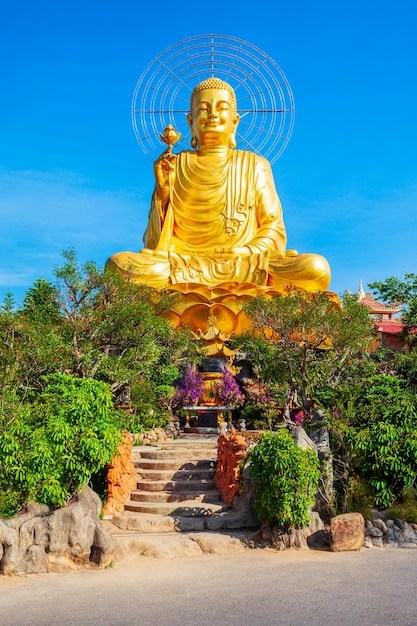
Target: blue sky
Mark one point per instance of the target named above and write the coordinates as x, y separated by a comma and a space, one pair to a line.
73, 175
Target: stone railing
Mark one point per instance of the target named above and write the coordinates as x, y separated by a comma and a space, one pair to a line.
121, 478
230, 452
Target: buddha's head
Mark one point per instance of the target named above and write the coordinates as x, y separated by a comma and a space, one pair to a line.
213, 118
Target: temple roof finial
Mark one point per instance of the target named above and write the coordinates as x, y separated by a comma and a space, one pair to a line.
361, 292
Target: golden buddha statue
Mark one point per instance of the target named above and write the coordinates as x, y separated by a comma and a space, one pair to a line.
215, 215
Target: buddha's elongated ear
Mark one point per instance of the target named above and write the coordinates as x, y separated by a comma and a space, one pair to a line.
232, 139
193, 137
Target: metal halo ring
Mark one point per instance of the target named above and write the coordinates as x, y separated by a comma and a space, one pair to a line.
265, 100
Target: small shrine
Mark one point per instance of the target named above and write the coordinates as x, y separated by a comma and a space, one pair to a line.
389, 328
211, 410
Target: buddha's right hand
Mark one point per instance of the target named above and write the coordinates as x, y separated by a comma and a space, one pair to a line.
165, 168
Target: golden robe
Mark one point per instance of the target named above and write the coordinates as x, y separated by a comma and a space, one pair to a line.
222, 223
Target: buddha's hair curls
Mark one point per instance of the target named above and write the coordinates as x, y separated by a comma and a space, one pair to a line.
214, 83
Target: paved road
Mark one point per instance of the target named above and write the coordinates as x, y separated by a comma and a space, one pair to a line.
376, 587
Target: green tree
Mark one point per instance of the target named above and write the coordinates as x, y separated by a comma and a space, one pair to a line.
305, 341
64, 358
117, 329
94, 324
41, 302
8, 346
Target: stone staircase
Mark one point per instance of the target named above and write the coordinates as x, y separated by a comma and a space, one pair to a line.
175, 489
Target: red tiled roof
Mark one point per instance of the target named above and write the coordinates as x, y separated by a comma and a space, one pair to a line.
380, 307
391, 327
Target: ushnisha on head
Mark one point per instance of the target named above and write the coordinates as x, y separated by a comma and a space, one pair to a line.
213, 117
214, 83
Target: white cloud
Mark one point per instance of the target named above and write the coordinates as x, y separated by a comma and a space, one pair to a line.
42, 213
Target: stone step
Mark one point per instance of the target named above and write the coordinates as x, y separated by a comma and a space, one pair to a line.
154, 523
190, 443
176, 485
171, 544
180, 454
173, 464
208, 495
187, 508
200, 438
168, 475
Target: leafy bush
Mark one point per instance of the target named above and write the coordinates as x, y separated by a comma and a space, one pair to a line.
374, 435
50, 448
358, 497
407, 510
286, 480
387, 439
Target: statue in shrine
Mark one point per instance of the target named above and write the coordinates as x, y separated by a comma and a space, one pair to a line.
215, 215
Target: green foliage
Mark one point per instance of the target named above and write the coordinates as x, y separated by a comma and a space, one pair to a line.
358, 497
406, 366
305, 341
387, 442
374, 435
286, 480
50, 447
94, 324
407, 509
41, 303
254, 416
64, 359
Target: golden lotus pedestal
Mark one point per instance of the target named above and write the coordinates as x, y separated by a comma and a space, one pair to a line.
214, 313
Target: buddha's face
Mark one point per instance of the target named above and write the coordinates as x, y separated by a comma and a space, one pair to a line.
213, 119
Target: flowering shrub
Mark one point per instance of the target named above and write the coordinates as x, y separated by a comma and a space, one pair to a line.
298, 418
303, 418
191, 389
228, 390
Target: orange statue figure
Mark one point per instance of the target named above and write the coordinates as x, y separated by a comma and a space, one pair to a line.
215, 216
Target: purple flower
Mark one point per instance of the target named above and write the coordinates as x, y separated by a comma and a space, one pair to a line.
191, 389
228, 390
299, 418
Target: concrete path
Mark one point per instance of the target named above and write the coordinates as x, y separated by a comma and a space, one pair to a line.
257, 587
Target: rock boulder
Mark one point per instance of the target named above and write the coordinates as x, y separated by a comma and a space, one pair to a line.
347, 532
43, 540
